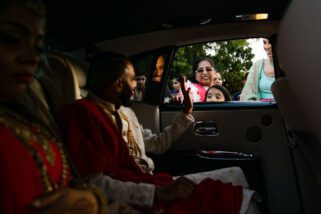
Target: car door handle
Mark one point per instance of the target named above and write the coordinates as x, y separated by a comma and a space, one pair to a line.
205, 128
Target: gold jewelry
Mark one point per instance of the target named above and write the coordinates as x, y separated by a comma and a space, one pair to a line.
100, 197
30, 135
133, 147
132, 144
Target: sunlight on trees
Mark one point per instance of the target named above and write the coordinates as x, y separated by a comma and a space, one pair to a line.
232, 59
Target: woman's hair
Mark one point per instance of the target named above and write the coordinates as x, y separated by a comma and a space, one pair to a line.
36, 7
179, 77
224, 90
196, 64
245, 76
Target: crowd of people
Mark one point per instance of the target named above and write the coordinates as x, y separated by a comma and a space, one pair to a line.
257, 81
98, 155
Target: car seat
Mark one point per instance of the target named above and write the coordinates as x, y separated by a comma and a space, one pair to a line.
63, 81
298, 94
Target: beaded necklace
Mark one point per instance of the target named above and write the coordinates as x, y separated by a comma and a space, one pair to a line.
29, 134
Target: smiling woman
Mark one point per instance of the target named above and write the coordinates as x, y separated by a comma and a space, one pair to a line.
226, 63
260, 78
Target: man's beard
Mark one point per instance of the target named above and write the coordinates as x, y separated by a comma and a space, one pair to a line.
125, 96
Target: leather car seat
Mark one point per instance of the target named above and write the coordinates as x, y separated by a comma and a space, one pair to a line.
63, 81
298, 94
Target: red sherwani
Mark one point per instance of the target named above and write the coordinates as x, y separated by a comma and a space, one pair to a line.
96, 145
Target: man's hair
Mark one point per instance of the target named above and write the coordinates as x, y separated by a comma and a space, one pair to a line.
104, 69
36, 7
224, 90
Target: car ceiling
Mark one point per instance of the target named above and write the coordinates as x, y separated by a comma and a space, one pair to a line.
73, 24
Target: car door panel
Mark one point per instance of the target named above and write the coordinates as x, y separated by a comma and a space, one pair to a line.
259, 132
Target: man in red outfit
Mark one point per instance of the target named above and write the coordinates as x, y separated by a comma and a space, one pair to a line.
96, 145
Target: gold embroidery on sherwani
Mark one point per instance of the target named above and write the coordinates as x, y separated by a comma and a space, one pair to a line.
133, 147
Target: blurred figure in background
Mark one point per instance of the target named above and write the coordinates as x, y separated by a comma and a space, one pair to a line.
176, 93
236, 96
218, 79
159, 69
138, 91
260, 78
176, 85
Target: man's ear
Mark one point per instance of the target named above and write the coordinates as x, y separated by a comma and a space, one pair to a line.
118, 85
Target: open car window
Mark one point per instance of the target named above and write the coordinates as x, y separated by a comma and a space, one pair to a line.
149, 72
223, 71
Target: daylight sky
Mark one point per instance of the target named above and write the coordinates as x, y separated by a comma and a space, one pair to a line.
258, 51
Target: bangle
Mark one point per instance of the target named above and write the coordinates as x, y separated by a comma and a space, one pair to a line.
100, 197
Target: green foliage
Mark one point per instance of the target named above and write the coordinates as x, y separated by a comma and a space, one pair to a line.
232, 59
185, 56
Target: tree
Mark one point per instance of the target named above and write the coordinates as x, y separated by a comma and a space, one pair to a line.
185, 57
233, 59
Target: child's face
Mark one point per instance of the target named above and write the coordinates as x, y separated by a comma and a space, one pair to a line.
218, 79
176, 84
215, 95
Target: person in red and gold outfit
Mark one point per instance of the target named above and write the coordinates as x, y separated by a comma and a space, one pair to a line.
91, 130
35, 171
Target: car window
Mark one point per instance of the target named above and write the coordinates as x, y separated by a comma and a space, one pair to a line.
224, 71
143, 66
159, 69
149, 70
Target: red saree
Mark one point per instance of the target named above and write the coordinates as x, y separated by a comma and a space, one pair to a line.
22, 177
95, 145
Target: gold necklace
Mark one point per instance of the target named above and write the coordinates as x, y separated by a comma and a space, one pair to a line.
29, 134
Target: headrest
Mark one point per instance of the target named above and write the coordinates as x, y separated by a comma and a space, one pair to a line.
299, 52
71, 64
62, 79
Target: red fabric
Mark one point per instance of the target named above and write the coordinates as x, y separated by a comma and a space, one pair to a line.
20, 180
210, 197
198, 92
201, 91
95, 145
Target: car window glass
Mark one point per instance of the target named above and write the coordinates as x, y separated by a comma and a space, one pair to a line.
159, 69
149, 71
143, 66
224, 71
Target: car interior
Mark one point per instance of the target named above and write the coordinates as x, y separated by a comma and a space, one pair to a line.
277, 144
